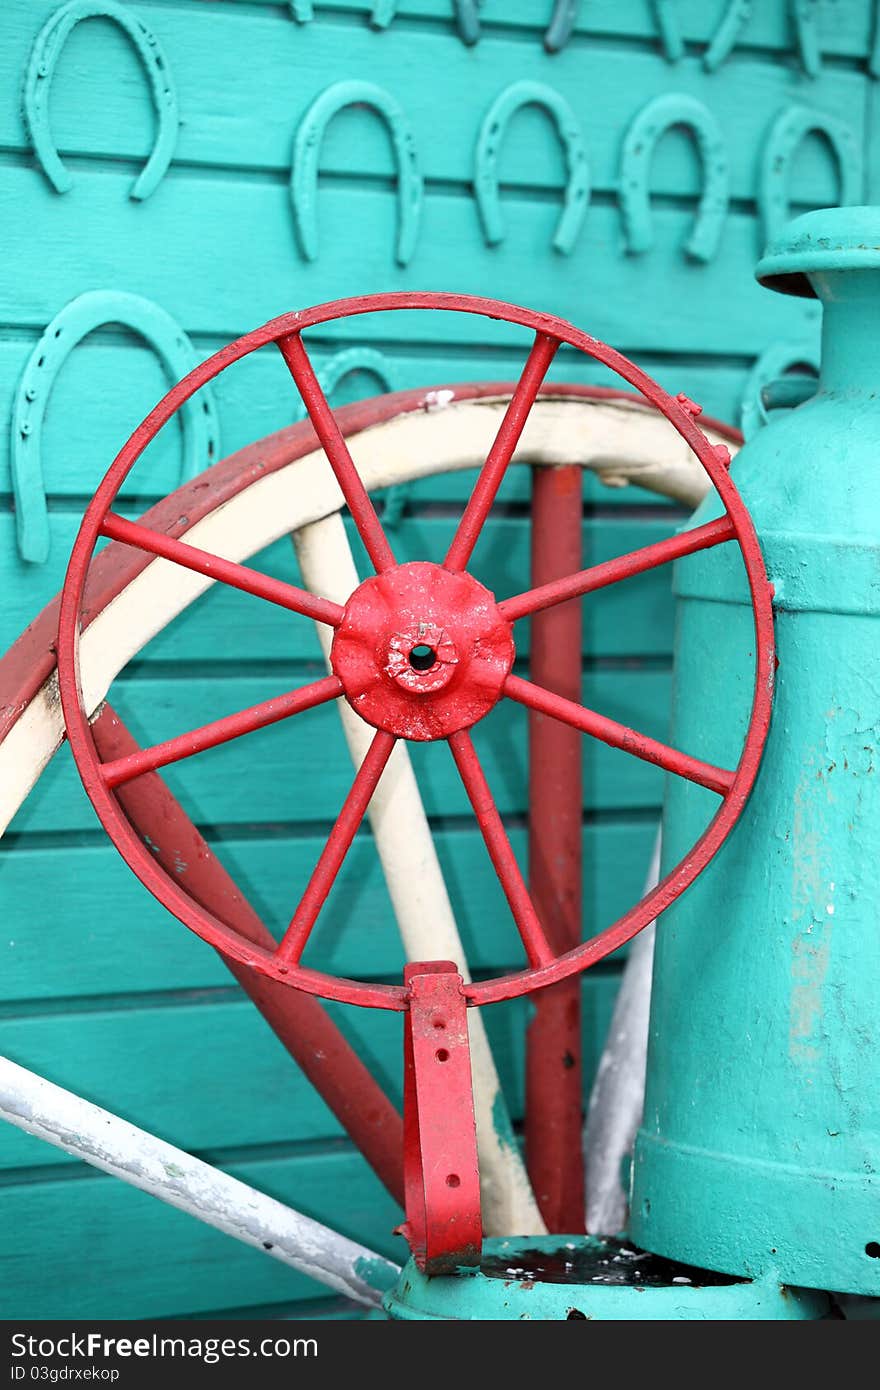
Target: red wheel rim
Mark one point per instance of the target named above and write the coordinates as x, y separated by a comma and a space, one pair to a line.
544, 968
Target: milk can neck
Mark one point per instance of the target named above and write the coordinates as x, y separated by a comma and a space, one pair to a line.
850, 331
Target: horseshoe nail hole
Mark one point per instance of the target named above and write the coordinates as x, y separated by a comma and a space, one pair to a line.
453, 1180
872, 1249
422, 657
441, 1054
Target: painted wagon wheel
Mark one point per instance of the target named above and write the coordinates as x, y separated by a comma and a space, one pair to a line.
421, 651
396, 437
242, 504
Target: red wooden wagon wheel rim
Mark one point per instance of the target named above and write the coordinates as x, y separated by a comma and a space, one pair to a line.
380, 663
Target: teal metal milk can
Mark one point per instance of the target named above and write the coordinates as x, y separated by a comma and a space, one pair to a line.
760, 1144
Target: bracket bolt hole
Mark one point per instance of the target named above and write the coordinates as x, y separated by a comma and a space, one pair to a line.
872, 1249
453, 1180
441, 1054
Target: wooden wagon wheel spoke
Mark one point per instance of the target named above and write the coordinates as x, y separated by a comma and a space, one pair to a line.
420, 898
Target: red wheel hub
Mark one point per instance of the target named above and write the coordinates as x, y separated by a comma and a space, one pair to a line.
422, 651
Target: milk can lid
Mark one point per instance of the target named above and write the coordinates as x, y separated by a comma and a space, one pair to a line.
829, 239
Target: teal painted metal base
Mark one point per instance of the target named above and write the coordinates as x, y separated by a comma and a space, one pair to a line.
567, 1278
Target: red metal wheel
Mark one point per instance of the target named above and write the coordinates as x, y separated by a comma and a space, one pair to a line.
422, 651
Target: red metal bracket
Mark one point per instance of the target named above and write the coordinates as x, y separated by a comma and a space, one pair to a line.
441, 1174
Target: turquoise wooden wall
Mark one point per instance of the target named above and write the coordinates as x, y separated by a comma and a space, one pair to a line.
101, 990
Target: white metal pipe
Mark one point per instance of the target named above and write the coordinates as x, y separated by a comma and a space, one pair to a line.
618, 1095
420, 900
112, 1144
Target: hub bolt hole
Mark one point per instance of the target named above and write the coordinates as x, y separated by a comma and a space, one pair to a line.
872, 1249
422, 657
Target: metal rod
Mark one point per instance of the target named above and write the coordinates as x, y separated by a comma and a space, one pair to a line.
613, 571
650, 750
554, 1070
227, 571
360, 505
500, 850
338, 844
112, 1144
506, 440
125, 769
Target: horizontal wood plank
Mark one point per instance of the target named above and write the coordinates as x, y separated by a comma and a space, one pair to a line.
210, 1076
256, 398
83, 899
145, 1259
659, 300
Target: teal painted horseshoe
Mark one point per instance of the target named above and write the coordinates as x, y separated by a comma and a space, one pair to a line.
805, 17
467, 18
303, 11
786, 134
383, 13
561, 26
733, 21
492, 131
805, 20
41, 67
641, 140
75, 321
771, 368
668, 28
353, 359
557, 34
307, 149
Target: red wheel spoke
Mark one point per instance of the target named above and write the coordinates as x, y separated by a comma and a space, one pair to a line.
506, 440
612, 571
231, 726
337, 846
333, 443
227, 571
299, 1021
717, 779
500, 851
